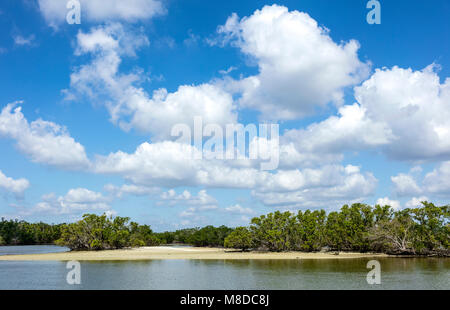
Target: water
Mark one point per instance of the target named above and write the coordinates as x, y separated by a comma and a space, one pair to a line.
31, 249
396, 273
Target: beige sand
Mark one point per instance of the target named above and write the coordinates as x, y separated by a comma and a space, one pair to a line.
149, 253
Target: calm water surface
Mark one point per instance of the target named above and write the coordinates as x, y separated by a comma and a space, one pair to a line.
396, 273
31, 249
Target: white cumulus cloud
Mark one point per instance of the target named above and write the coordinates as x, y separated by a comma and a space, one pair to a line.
300, 67
44, 142
415, 202
434, 184
9, 184
131, 106
414, 106
168, 164
395, 204
202, 198
77, 201
402, 113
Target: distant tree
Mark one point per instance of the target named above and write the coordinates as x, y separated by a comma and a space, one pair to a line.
334, 231
394, 235
382, 213
143, 233
95, 232
272, 231
22, 233
2, 242
209, 236
349, 228
166, 237
432, 229
240, 238
311, 230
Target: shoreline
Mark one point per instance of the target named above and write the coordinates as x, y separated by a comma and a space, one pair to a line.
191, 253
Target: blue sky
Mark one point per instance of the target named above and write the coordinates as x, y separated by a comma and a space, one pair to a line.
366, 122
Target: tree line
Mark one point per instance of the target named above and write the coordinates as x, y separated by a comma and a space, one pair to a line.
359, 227
418, 231
208, 236
94, 232
15, 232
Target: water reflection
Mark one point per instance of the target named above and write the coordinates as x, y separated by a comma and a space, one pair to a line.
396, 273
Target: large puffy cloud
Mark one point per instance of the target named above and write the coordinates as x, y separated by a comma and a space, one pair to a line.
415, 106
172, 164
151, 164
163, 110
300, 67
169, 164
403, 113
44, 142
351, 130
16, 187
55, 11
130, 105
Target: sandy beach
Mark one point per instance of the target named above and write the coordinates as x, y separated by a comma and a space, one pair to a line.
162, 252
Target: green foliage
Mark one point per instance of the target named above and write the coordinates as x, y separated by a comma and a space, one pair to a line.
95, 232
208, 236
422, 230
394, 234
359, 227
166, 237
142, 234
355, 221
240, 238
432, 227
311, 230
273, 231
23, 233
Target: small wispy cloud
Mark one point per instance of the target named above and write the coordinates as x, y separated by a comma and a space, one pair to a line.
225, 72
22, 41
192, 39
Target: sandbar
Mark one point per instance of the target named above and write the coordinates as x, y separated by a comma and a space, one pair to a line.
186, 253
